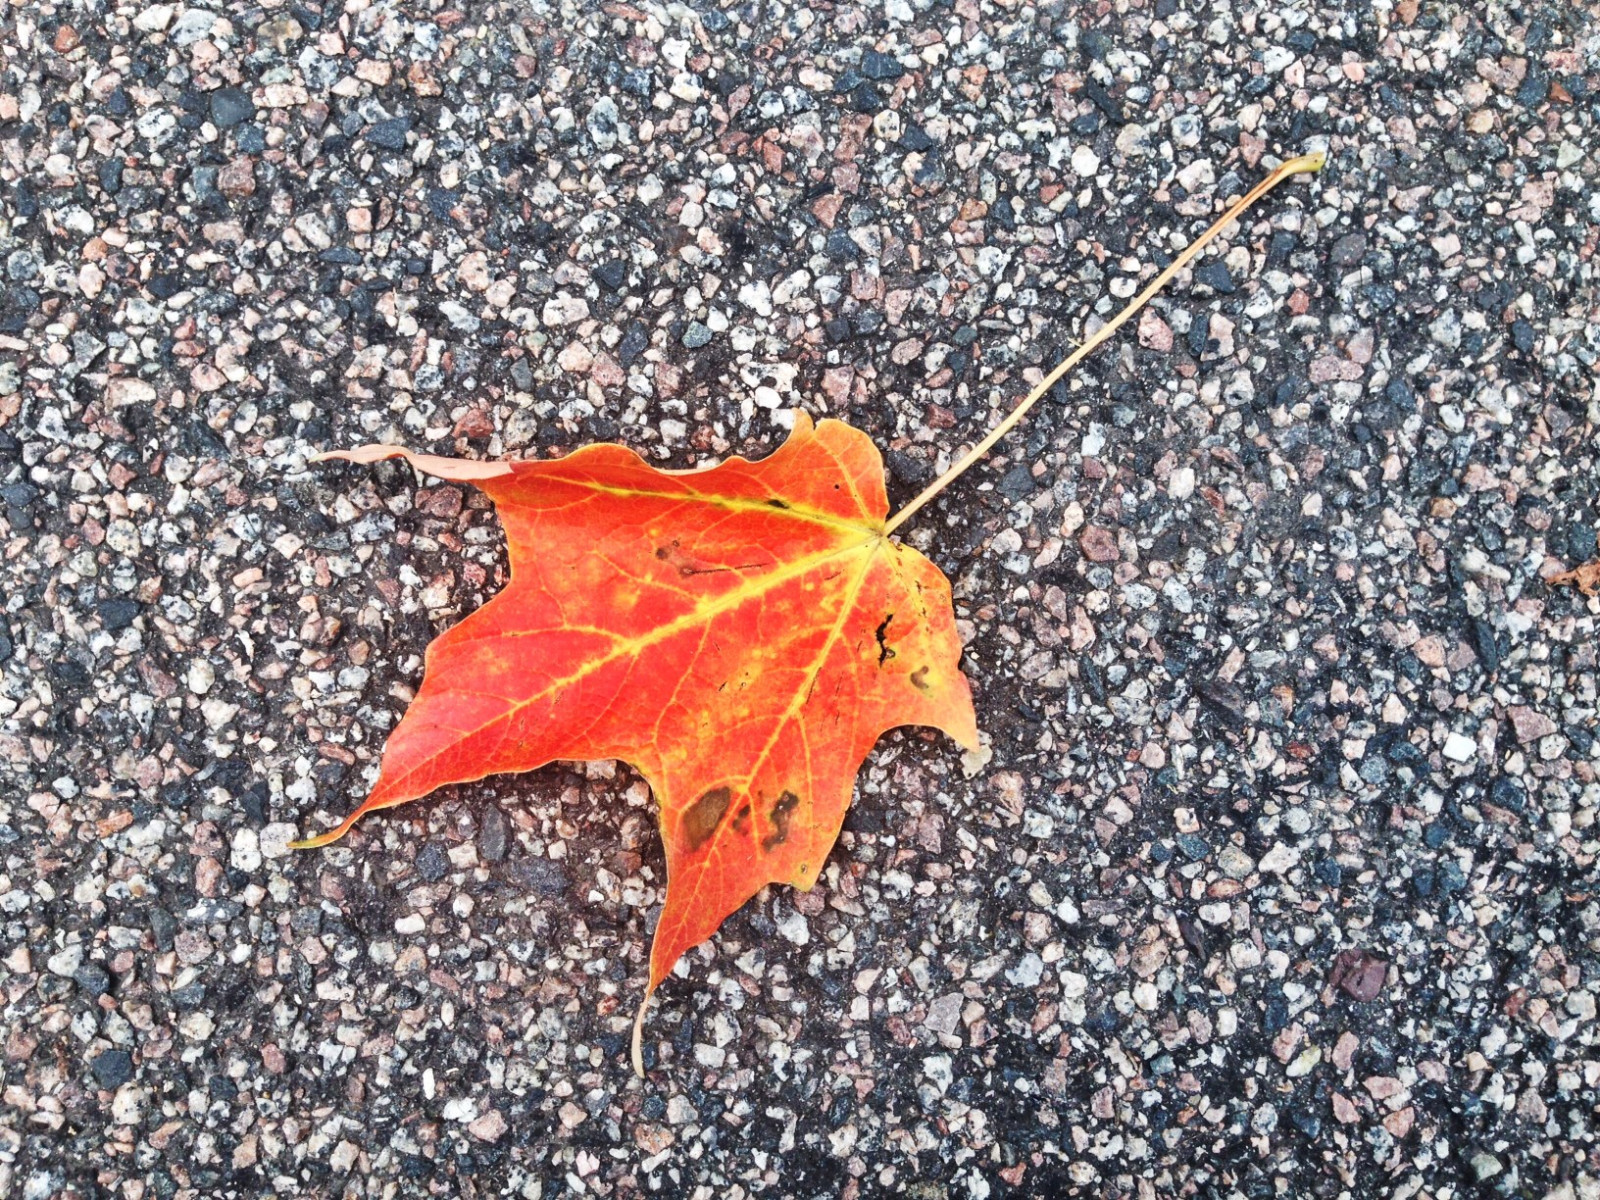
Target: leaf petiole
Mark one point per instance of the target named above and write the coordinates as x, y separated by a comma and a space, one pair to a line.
1295, 166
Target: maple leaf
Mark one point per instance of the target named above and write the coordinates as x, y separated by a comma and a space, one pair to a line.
742, 636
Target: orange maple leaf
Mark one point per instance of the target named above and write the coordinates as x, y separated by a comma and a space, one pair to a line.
741, 635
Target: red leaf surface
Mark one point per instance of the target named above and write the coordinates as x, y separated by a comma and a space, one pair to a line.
741, 635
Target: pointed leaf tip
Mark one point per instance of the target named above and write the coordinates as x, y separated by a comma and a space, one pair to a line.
315, 843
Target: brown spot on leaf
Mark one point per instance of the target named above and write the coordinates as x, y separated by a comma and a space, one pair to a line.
885, 653
741, 819
704, 815
781, 811
919, 679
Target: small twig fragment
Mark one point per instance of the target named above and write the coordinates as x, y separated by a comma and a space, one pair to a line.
1585, 578
1295, 166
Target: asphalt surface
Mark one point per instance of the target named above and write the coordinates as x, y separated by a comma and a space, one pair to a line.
1280, 876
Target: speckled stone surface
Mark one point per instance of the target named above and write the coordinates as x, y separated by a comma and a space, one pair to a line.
1280, 878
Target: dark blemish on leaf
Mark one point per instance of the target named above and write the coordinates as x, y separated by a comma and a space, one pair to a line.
778, 503
919, 679
704, 815
884, 652
741, 819
786, 804
662, 551
687, 569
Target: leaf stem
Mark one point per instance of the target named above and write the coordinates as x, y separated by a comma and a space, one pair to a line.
638, 1034
1295, 166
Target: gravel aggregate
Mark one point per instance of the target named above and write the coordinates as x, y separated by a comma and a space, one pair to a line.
1278, 873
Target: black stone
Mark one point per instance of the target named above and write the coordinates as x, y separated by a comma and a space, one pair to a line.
635, 341
1400, 394
1508, 792
864, 98
1279, 248
1486, 644
25, 202
204, 182
542, 875
189, 998
867, 321
908, 468
110, 175
94, 979
1348, 250
913, 138
71, 672
163, 928
230, 107
441, 201
880, 66
1215, 275
1104, 101
842, 247
112, 1068
493, 834
118, 613
19, 495
389, 134
1277, 1015
252, 802
611, 274
1307, 1123
341, 256
1522, 336
1582, 544
432, 864
1535, 90
1018, 483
